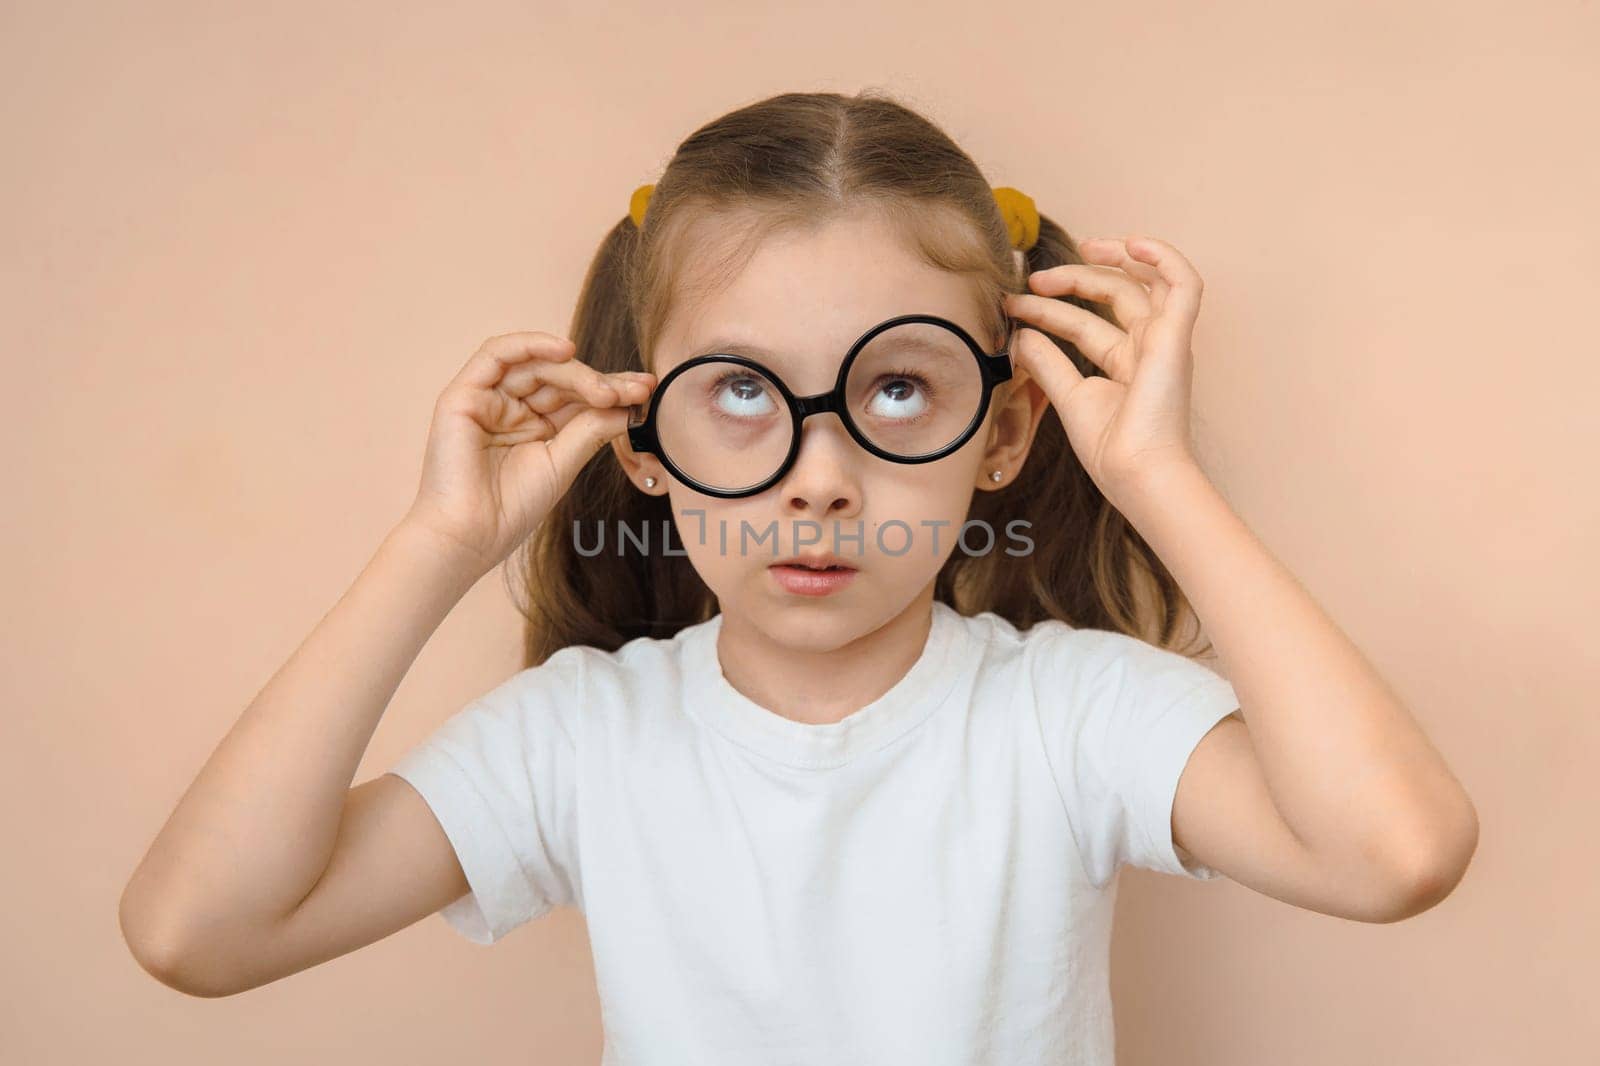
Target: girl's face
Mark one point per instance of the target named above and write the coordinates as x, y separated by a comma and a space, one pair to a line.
802, 300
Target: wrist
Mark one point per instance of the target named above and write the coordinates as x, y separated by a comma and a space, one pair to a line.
435, 553
1157, 485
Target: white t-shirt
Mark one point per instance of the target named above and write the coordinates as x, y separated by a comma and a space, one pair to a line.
928, 881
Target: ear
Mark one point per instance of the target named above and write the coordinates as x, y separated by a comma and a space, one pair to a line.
638, 466
1019, 404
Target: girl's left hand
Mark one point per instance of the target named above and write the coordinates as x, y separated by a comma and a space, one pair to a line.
1136, 421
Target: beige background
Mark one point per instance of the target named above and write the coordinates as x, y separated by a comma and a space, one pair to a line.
243, 250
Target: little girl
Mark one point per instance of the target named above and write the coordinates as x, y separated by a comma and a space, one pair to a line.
850, 677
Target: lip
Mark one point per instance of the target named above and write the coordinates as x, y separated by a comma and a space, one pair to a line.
803, 582
815, 561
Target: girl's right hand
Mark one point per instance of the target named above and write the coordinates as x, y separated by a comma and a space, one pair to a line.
509, 435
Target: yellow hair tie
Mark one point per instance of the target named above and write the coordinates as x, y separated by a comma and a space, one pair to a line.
1016, 207
639, 202
1022, 218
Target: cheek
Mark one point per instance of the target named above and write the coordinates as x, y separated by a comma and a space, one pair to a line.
926, 501
942, 488
710, 532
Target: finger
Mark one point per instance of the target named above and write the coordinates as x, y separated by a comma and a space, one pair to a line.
583, 436
550, 397
565, 413
562, 413
1130, 301
1046, 364
503, 419
497, 354
572, 377
1182, 303
546, 424
527, 378
1143, 272
544, 396
1100, 341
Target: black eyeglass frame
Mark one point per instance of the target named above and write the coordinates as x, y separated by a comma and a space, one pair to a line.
994, 367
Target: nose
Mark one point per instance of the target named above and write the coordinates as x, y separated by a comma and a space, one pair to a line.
823, 483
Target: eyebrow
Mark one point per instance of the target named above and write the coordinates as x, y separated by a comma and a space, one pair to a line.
733, 347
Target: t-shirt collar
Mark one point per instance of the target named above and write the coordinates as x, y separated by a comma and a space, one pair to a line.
717, 704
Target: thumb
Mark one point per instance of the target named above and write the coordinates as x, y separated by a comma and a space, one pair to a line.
581, 439
1047, 364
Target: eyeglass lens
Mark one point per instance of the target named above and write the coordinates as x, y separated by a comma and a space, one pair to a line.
911, 391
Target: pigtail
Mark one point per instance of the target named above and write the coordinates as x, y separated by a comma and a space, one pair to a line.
1089, 565
608, 597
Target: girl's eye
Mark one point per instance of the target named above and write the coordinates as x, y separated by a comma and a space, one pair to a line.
899, 397
740, 394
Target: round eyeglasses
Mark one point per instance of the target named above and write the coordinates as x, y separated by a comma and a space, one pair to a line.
910, 390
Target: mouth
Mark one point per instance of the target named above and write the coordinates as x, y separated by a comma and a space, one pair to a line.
815, 564
815, 576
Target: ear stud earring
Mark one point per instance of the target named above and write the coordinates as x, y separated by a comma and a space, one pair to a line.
649, 482
996, 476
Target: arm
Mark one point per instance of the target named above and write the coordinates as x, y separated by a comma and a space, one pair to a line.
271, 862
216, 904
1325, 792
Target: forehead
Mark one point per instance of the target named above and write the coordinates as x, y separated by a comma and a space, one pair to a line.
804, 296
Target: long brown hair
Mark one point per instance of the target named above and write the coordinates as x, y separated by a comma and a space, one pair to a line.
795, 160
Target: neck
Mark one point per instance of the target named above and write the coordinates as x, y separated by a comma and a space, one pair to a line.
801, 666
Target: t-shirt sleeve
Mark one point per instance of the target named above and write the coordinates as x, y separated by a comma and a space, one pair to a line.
1119, 718
500, 776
